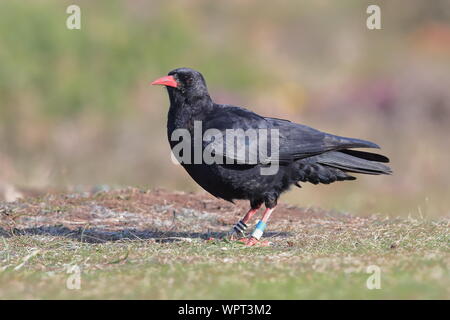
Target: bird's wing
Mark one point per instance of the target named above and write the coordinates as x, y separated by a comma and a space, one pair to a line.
299, 141
262, 140
236, 134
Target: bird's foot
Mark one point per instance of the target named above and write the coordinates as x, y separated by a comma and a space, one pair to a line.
237, 232
230, 236
234, 236
253, 242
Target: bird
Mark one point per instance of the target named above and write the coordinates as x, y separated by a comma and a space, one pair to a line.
300, 153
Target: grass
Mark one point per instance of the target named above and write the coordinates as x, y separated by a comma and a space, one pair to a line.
316, 257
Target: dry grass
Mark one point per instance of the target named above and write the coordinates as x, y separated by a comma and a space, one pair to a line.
139, 244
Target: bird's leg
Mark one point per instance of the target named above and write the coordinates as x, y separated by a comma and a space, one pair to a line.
239, 229
259, 229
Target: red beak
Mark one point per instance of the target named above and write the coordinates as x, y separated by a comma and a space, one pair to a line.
166, 81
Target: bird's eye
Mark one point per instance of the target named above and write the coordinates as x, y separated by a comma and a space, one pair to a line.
189, 81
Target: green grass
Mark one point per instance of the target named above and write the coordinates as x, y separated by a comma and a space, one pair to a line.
323, 260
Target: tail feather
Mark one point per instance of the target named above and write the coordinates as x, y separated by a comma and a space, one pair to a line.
366, 155
355, 161
345, 143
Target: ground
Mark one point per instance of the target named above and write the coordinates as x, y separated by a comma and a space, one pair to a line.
141, 244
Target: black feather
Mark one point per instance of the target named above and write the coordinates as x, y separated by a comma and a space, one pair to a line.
366, 155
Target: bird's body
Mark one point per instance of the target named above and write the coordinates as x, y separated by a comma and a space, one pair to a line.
304, 154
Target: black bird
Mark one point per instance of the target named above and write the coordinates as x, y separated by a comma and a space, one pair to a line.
300, 154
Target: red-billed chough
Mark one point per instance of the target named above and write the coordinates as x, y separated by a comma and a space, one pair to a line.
297, 153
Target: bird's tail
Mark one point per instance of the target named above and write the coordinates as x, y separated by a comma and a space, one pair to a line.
355, 161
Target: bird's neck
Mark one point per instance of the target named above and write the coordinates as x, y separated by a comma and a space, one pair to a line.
184, 110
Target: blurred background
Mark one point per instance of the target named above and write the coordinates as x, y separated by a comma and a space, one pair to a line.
77, 111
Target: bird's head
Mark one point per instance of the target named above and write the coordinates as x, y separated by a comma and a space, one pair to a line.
184, 84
